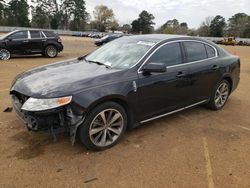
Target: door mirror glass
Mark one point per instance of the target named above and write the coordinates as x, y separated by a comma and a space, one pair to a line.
154, 67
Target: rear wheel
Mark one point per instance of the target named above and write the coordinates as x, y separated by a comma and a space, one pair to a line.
103, 126
51, 51
220, 95
4, 54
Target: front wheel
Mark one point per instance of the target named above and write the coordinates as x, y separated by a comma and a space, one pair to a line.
4, 54
103, 126
51, 51
220, 95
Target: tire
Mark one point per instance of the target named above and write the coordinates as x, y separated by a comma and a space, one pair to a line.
220, 95
95, 134
5, 54
51, 51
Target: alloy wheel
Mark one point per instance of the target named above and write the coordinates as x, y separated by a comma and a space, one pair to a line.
106, 127
221, 95
4, 54
51, 51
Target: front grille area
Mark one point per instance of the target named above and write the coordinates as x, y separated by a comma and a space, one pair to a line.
35, 121
65, 119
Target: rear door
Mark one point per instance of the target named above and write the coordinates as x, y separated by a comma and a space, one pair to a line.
36, 41
164, 92
204, 68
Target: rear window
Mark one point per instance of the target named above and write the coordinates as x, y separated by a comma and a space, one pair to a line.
210, 51
35, 34
195, 51
50, 34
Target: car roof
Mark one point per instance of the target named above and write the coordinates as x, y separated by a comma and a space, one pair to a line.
155, 38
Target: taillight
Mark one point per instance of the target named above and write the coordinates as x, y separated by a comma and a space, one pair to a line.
59, 40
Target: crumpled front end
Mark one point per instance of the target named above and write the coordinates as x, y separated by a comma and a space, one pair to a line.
63, 119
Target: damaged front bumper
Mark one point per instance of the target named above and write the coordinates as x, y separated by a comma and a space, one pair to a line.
63, 119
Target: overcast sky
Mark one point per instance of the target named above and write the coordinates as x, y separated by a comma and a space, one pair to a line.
191, 11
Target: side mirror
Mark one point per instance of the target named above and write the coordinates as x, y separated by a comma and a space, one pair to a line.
154, 67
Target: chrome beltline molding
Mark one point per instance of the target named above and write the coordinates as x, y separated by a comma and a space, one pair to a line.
172, 112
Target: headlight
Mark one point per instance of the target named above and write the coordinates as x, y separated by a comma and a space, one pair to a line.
33, 104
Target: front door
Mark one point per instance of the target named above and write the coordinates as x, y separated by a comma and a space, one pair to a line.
18, 42
164, 92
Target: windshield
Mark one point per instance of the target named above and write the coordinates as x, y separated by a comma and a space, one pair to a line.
120, 54
5, 35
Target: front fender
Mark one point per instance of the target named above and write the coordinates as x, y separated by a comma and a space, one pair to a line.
124, 91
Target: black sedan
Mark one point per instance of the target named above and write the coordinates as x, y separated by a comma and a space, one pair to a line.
107, 38
123, 84
27, 42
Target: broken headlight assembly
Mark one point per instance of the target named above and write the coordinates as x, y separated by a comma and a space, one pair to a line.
35, 105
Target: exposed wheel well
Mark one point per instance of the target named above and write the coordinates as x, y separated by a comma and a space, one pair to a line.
230, 81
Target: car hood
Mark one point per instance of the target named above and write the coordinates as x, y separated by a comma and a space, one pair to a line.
62, 79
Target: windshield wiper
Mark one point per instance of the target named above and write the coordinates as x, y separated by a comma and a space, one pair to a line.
96, 62
99, 63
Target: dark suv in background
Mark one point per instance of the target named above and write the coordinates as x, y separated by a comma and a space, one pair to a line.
27, 42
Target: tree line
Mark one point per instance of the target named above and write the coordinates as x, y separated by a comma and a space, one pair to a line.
56, 14
237, 26
72, 15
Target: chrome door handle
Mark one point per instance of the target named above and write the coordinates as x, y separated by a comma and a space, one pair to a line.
25, 41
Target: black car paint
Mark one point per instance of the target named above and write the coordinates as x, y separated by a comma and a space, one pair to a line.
28, 46
110, 38
143, 96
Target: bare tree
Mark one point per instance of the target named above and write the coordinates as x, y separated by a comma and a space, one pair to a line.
204, 29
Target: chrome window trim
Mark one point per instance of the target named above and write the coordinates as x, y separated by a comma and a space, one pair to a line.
190, 63
40, 33
182, 64
43, 34
29, 36
175, 111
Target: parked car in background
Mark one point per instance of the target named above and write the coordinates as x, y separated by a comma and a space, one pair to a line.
125, 83
78, 34
86, 33
27, 42
107, 38
95, 35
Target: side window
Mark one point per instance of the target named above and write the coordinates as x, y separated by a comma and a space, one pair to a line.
49, 34
210, 51
195, 51
35, 34
170, 54
19, 35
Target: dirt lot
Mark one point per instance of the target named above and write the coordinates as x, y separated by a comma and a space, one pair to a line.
194, 148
